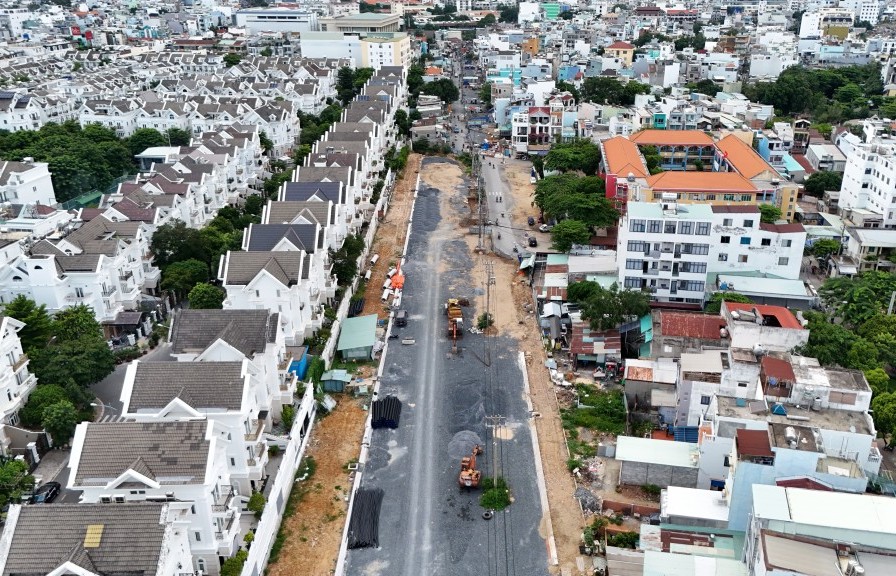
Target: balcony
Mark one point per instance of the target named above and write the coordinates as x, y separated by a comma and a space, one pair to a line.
256, 427
224, 536
222, 502
259, 460
23, 359
109, 291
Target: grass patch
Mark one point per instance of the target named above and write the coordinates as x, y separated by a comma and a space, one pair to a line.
495, 495
600, 410
306, 470
623, 540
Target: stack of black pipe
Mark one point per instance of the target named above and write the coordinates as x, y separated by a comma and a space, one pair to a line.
364, 527
356, 307
386, 412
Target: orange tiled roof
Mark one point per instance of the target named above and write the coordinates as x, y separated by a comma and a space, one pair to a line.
622, 157
671, 138
700, 182
620, 45
742, 157
433, 71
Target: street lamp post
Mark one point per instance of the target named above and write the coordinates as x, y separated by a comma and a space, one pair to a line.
103, 407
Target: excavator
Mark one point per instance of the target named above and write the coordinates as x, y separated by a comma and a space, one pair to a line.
469, 476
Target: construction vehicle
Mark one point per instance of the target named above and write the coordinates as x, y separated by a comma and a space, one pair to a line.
455, 318
469, 476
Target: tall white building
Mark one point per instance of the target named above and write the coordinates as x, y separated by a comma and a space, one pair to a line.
26, 182
869, 180
16, 381
669, 249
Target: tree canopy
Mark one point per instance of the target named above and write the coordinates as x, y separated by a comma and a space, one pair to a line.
205, 296
144, 138
827, 94
14, 481
566, 196
824, 247
509, 13
38, 324
820, 182
580, 155
77, 351
350, 81
568, 233
444, 88
607, 90
858, 299
714, 306
607, 308
80, 159
769, 214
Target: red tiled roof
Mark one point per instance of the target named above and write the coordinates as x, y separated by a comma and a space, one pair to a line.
556, 268
784, 316
804, 162
777, 368
702, 326
805, 483
753, 443
782, 228
43, 209
736, 209
581, 331
700, 181
620, 45
671, 138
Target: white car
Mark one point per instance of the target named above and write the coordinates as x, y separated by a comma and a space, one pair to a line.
544, 228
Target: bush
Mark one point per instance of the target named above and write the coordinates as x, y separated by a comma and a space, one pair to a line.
273, 450
256, 504
43, 395
316, 369
233, 566
623, 540
573, 463
484, 321
123, 355
651, 490
496, 494
288, 416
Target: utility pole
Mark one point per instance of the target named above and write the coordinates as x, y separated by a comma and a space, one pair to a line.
489, 282
495, 422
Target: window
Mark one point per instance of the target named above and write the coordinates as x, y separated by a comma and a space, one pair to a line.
632, 283
783, 261
636, 225
637, 246
232, 462
766, 242
702, 229
729, 198
786, 243
746, 198
669, 228
742, 258
192, 508
704, 400
686, 228
654, 226
198, 536
745, 241
692, 285
79, 292
723, 257
741, 384
727, 222
748, 223
693, 267
633, 264
726, 240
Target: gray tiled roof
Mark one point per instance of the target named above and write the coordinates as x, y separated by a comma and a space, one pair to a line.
175, 452
246, 330
243, 267
306, 190
47, 536
285, 212
264, 237
341, 173
202, 385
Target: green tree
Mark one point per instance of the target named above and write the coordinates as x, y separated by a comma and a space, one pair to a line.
824, 247
206, 297
566, 196
567, 87
769, 214
144, 138
509, 13
231, 59
233, 566
60, 420
884, 406
714, 306
820, 182
77, 352
580, 155
178, 137
857, 300
266, 52
256, 504
878, 379
345, 260
402, 123
180, 277
485, 93
486, 21
176, 243
444, 88
607, 308
707, 87
43, 395
38, 324
568, 233
266, 143
14, 481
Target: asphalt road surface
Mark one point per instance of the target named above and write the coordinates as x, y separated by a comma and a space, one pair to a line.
428, 525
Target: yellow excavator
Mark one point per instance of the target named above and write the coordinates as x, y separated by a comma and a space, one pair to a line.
469, 476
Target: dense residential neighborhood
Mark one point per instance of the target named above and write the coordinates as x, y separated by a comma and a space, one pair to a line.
436, 287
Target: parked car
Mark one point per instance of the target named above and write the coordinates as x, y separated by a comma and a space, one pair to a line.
533, 242
544, 228
531, 220
46, 493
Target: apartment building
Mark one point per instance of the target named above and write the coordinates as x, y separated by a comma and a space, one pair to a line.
385, 49
869, 180
26, 182
669, 248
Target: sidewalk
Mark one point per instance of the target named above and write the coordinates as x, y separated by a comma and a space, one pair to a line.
51, 465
